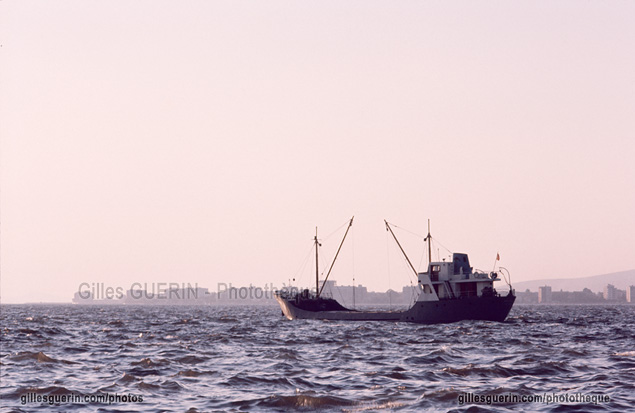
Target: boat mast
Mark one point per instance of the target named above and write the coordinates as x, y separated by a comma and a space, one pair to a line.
317, 274
429, 239
336, 254
402, 251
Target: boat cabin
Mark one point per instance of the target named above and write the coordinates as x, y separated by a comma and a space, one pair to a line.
455, 279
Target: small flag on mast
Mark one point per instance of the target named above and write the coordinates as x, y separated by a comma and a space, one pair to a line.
498, 257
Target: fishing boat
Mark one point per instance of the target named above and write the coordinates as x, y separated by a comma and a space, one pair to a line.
448, 291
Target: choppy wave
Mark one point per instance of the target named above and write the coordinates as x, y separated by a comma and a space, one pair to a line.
251, 359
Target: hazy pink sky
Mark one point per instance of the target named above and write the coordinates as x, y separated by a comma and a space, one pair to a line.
202, 142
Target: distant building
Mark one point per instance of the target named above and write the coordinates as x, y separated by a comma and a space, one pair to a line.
526, 297
83, 297
585, 296
630, 294
328, 286
345, 294
615, 294
544, 294
410, 293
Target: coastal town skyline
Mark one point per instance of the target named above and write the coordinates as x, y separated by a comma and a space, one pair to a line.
577, 291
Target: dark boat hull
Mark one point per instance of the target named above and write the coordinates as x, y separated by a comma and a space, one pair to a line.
490, 308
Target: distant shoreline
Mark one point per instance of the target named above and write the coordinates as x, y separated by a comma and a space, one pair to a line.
274, 304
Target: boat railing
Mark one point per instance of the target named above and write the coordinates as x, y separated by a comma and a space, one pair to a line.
466, 294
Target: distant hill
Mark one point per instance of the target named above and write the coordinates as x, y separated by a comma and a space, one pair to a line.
595, 283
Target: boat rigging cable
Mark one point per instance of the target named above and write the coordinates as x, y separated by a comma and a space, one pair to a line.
401, 248
428, 238
350, 223
390, 240
353, 253
300, 271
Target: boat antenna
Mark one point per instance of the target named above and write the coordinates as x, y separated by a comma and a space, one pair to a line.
402, 251
319, 291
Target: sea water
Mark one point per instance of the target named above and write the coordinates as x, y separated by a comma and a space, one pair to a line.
208, 358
